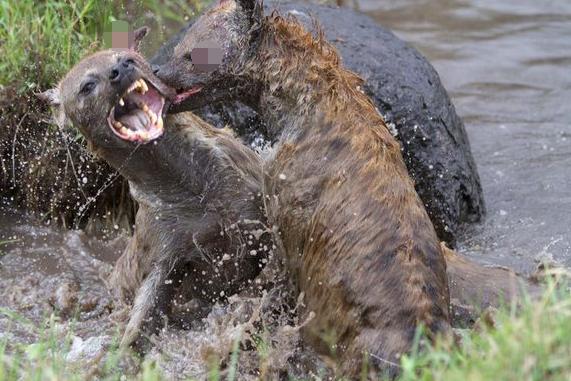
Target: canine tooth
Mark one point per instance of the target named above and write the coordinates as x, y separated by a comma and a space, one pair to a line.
160, 123
145, 108
140, 86
121, 102
135, 85
152, 116
117, 125
124, 131
144, 135
144, 86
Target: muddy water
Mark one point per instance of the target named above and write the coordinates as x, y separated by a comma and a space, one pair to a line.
50, 274
45, 270
507, 68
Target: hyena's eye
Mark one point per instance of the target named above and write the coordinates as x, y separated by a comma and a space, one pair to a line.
188, 57
87, 87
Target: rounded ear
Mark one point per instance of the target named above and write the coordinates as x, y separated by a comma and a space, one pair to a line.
253, 8
138, 35
51, 96
247, 4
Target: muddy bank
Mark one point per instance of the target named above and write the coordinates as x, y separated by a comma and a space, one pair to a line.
49, 172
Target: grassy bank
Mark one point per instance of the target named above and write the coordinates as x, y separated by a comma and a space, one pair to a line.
40, 41
531, 344
48, 358
46, 169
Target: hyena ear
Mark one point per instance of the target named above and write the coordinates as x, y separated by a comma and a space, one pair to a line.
51, 96
138, 35
253, 8
250, 5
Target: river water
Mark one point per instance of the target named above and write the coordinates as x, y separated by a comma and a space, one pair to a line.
507, 67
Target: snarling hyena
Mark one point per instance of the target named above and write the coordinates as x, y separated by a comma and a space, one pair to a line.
357, 238
201, 216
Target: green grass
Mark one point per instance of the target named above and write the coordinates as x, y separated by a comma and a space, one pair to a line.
2, 243
45, 360
531, 344
41, 40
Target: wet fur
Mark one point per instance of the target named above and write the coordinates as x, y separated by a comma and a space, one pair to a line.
201, 214
357, 238
475, 288
355, 232
203, 227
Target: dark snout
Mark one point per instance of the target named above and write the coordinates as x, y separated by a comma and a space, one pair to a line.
122, 73
170, 74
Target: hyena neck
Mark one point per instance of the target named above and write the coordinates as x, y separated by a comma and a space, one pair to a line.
181, 169
301, 76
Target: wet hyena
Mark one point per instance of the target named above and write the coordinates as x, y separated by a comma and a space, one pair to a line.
357, 238
201, 218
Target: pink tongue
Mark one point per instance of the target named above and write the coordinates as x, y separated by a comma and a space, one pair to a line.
180, 97
136, 121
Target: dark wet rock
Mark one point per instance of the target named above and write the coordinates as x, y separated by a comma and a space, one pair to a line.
410, 96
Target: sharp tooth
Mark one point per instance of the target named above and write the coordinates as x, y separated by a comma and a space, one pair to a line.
144, 135
152, 116
144, 86
134, 86
145, 107
125, 131
121, 102
139, 86
117, 125
160, 123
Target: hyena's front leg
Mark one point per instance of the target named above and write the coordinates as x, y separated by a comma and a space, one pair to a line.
152, 304
135, 262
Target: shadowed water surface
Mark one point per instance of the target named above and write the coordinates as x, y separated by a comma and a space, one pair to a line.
507, 68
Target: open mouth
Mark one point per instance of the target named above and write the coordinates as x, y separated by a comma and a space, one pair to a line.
137, 116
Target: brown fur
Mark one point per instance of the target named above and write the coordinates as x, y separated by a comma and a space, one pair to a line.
356, 235
200, 220
134, 265
474, 288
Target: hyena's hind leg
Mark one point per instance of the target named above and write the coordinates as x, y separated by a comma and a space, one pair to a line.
152, 303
